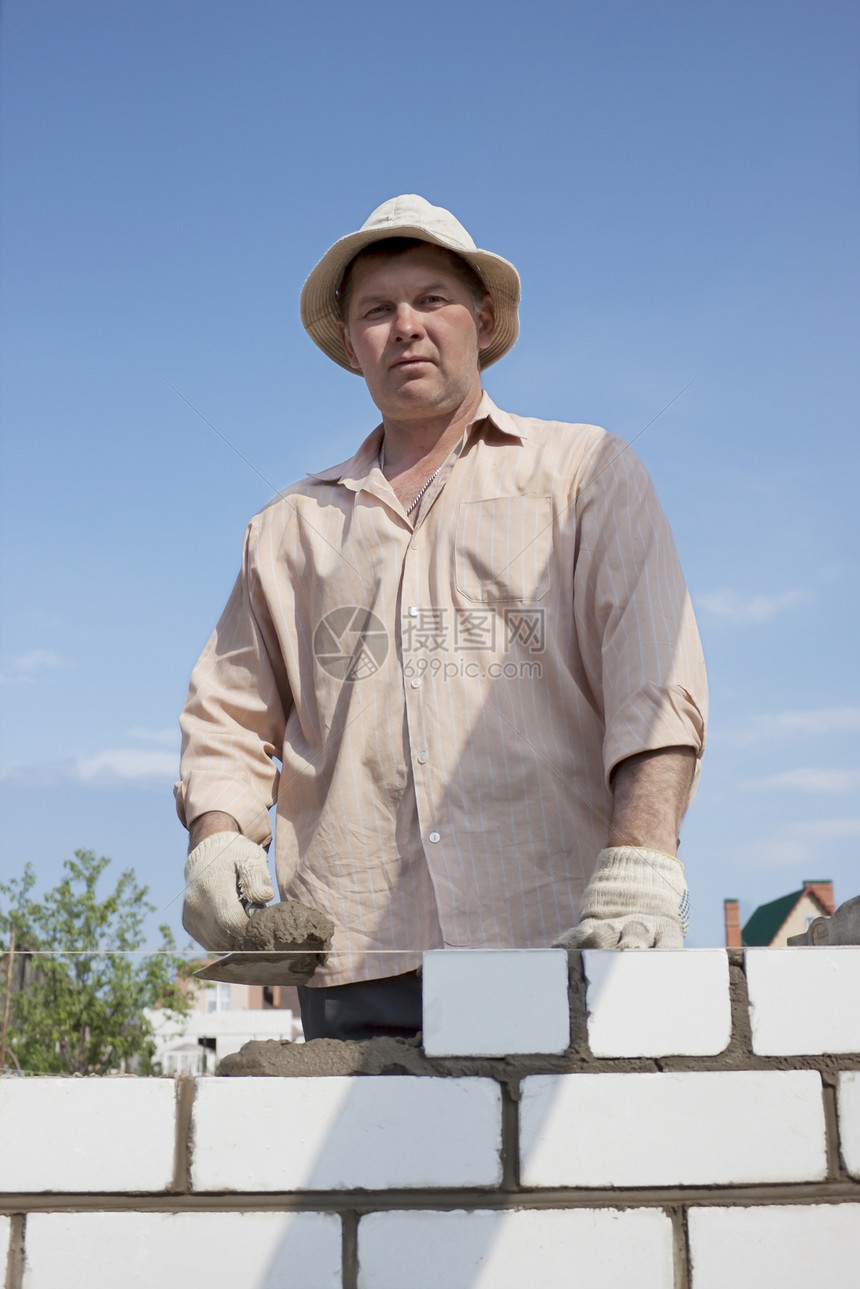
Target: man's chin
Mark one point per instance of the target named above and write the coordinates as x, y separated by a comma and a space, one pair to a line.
419, 386
424, 391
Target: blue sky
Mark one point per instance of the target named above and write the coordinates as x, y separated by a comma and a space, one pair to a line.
677, 184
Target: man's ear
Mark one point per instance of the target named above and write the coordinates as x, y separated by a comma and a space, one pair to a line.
486, 320
348, 349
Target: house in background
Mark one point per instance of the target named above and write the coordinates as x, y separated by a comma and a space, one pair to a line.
771, 924
223, 1018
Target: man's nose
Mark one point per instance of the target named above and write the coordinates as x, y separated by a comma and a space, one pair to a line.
408, 323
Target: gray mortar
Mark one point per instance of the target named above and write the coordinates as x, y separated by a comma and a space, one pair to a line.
329, 1056
185, 1089
15, 1256
576, 996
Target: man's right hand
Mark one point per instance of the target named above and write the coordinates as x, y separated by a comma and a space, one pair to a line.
222, 871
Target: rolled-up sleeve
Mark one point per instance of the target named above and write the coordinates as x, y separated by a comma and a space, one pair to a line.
234, 716
634, 620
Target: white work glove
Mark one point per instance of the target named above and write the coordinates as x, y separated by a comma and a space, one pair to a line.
225, 869
636, 899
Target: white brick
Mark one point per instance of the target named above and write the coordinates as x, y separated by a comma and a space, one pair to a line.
494, 1002
87, 1134
675, 1002
804, 1001
769, 1247
516, 1250
339, 1133
170, 1250
672, 1129
849, 1120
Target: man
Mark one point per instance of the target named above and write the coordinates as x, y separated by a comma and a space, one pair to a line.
470, 647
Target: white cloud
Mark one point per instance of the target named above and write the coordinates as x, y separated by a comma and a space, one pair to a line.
112, 768
23, 668
170, 736
749, 609
126, 765
796, 844
810, 780
821, 720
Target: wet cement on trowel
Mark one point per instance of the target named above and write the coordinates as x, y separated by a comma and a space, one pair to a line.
289, 937
286, 926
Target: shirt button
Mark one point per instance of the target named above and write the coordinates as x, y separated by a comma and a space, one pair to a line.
422, 758
413, 611
416, 682
435, 836
414, 544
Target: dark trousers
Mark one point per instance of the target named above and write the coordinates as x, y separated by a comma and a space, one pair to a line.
367, 1009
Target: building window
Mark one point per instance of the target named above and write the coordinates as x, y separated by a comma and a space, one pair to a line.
218, 998
183, 1063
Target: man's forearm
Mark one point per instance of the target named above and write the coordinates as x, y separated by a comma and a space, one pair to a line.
211, 822
650, 792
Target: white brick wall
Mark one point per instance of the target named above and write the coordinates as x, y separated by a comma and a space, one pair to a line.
552, 1249
657, 1004
439, 1138
672, 1129
804, 1001
490, 1002
110, 1134
337, 1133
849, 1120
179, 1250
768, 1247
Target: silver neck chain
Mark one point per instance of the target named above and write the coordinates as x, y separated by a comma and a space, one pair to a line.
417, 498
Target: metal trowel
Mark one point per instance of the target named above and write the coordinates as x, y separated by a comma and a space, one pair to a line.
283, 944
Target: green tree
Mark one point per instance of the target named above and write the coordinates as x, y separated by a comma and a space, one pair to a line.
77, 988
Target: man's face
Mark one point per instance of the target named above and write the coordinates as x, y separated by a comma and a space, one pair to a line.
414, 332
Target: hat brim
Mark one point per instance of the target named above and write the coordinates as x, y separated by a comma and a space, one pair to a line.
319, 309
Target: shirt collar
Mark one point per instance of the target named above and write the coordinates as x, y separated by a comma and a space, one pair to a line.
355, 470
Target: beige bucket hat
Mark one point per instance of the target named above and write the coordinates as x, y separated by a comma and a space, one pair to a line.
408, 216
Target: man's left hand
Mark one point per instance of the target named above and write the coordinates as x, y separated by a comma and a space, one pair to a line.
636, 899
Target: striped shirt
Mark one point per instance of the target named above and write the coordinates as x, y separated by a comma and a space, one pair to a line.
437, 702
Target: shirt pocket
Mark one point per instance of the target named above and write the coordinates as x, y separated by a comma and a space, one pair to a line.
502, 549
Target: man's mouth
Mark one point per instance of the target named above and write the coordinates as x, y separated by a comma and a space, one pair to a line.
410, 362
